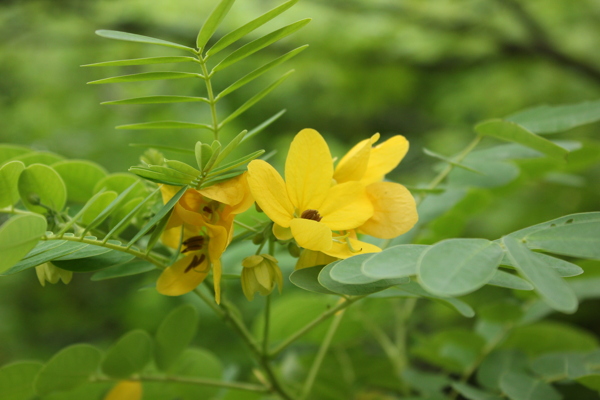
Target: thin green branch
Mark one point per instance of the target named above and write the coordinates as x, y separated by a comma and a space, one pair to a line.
15, 211
314, 369
211, 98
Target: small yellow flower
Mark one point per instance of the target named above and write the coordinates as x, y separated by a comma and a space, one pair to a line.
125, 390
306, 206
205, 219
395, 211
48, 272
260, 274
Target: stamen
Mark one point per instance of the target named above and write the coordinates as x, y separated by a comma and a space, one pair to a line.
207, 209
311, 214
195, 262
193, 244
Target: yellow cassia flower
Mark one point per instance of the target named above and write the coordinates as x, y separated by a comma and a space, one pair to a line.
307, 206
395, 211
205, 219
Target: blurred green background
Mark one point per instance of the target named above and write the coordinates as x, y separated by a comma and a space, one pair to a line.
428, 70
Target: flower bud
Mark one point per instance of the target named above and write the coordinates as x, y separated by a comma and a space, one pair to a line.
294, 250
260, 274
51, 273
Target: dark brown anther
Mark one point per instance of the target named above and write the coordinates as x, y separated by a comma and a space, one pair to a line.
311, 214
195, 262
207, 209
193, 244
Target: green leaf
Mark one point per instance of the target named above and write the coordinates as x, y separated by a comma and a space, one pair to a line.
71, 367
166, 176
509, 131
80, 178
455, 267
353, 265
394, 262
18, 236
146, 76
158, 230
9, 180
493, 173
547, 283
164, 125
121, 199
259, 44
560, 366
118, 183
96, 205
40, 184
16, 380
232, 145
8, 152
259, 71
496, 364
471, 393
183, 168
234, 164
519, 386
454, 350
158, 100
174, 335
131, 213
581, 218
197, 363
129, 355
212, 22
255, 99
93, 263
242, 31
44, 252
450, 161
131, 37
121, 270
142, 61
510, 281
590, 381
553, 119
255, 131
562, 267
308, 279
503, 311
38, 157
161, 147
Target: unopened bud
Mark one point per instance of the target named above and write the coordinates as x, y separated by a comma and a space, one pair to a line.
294, 250
260, 274
48, 272
258, 238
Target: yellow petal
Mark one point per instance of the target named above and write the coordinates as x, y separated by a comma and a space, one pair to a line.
309, 258
353, 165
269, 190
385, 158
125, 390
252, 261
308, 170
230, 192
175, 281
217, 273
342, 250
282, 233
168, 191
261, 272
311, 234
395, 211
346, 207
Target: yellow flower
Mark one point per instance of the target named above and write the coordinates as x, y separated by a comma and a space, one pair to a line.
48, 272
260, 274
205, 219
395, 211
306, 206
125, 390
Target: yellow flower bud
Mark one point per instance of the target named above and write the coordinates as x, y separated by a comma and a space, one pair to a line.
260, 274
51, 273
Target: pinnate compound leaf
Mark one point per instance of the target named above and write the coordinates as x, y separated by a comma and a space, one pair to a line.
41, 184
96, 205
145, 76
563, 268
157, 100
231, 146
119, 182
553, 119
255, 99
547, 283
242, 31
77, 263
519, 386
560, 366
512, 132
212, 22
259, 44
394, 262
9, 181
121, 270
174, 335
256, 130
142, 61
132, 37
160, 174
164, 125
455, 267
18, 236
129, 355
46, 251
80, 178
454, 350
121, 199
69, 368
16, 380
259, 71
237, 163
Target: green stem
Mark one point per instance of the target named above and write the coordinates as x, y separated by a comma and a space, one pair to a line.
15, 211
265, 348
211, 98
247, 227
250, 387
308, 327
314, 370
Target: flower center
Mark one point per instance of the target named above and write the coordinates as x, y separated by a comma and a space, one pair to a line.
195, 262
193, 244
311, 214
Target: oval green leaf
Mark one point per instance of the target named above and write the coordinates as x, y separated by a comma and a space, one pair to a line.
18, 236
174, 335
80, 178
9, 180
394, 262
519, 386
129, 355
41, 184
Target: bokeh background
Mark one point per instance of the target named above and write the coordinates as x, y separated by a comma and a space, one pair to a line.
429, 70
